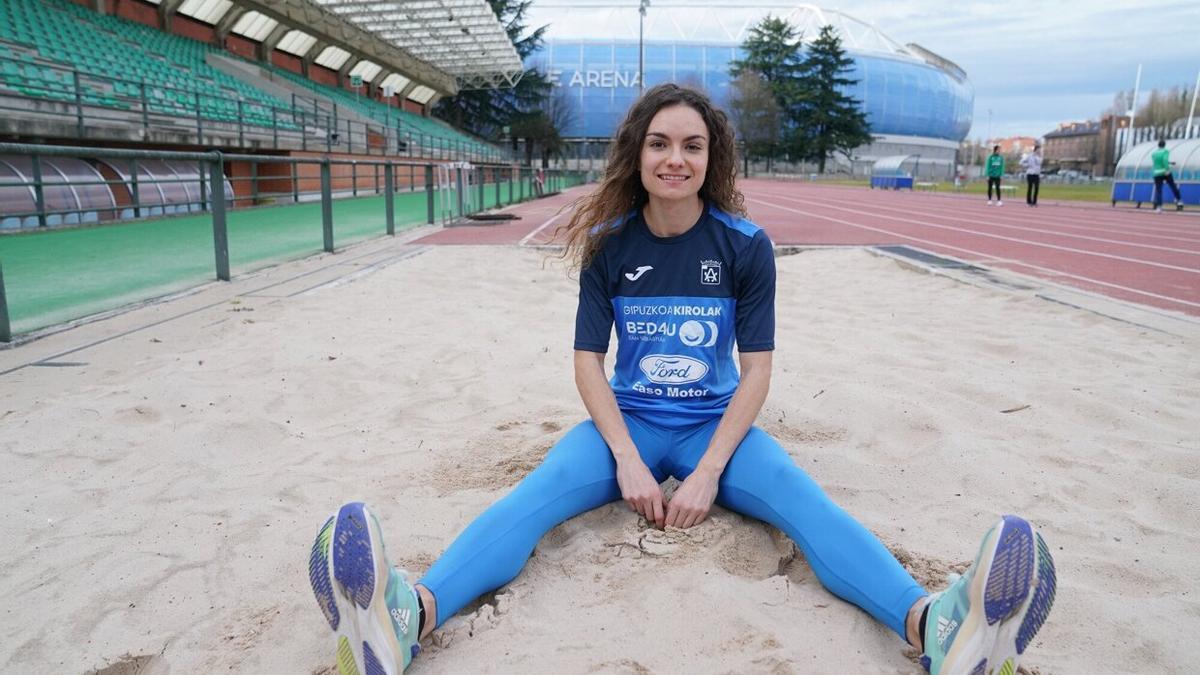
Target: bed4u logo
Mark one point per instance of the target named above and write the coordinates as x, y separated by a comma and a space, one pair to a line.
710, 272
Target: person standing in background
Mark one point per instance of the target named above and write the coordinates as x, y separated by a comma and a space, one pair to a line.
995, 170
1162, 174
1033, 174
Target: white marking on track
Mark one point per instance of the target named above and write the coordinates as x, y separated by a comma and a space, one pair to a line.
1044, 270
531, 235
1150, 263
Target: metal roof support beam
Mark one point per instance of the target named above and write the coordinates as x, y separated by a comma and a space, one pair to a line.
427, 109
313, 52
166, 12
344, 71
327, 26
226, 23
268, 43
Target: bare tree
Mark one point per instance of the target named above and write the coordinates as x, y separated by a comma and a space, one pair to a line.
1164, 108
755, 114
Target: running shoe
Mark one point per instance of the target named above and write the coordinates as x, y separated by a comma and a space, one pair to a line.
370, 605
984, 621
1017, 631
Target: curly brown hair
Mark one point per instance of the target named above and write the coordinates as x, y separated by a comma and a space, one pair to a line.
621, 190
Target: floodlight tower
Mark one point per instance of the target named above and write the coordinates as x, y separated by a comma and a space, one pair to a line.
643, 4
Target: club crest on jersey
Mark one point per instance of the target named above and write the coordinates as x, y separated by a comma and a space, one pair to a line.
710, 272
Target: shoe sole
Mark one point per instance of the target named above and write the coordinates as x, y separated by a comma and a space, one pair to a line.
1001, 586
348, 572
1017, 632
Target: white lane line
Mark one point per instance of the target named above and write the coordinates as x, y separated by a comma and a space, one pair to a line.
1149, 263
996, 223
1099, 216
548, 223
1046, 270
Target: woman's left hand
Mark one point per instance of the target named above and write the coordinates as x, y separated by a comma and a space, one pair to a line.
691, 502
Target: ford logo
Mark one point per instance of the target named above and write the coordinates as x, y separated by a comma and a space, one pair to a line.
667, 369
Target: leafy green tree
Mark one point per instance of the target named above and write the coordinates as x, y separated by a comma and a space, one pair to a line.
485, 112
830, 120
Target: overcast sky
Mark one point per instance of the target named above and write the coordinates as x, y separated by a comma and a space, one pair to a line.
1035, 64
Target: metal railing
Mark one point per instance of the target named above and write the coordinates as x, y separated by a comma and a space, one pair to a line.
89, 106
256, 184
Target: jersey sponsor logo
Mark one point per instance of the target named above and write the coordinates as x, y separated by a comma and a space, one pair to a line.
637, 273
672, 369
671, 310
710, 272
698, 333
670, 391
650, 330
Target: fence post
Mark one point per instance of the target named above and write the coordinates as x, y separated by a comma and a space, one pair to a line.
253, 184
354, 178
459, 192
429, 192
216, 172
388, 192
479, 173
204, 188
5, 326
133, 182
496, 179
145, 111
199, 124
327, 205
241, 124
39, 194
295, 184
78, 104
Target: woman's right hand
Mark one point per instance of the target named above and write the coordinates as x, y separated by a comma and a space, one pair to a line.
640, 491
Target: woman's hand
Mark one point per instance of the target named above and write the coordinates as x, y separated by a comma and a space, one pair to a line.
640, 490
691, 502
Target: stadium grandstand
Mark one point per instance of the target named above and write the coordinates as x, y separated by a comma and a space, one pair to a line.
204, 136
917, 103
291, 78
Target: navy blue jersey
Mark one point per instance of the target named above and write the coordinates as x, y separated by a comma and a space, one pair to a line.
679, 304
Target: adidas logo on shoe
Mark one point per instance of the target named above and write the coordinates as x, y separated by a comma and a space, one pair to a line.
401, 616
944, 628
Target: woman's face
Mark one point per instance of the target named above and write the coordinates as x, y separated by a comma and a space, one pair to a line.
674, 158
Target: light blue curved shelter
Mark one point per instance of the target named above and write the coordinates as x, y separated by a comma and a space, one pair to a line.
1133, 180
894, 172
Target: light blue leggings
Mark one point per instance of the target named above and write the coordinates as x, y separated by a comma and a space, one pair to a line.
761, 481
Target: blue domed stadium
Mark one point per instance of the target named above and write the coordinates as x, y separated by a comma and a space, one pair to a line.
916, 101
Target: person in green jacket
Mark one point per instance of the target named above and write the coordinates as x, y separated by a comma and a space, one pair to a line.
995, 170
1162, 174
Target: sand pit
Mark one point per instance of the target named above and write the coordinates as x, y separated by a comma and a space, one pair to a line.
162, 489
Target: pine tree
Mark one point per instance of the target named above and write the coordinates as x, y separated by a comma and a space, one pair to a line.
831, 120
772, 55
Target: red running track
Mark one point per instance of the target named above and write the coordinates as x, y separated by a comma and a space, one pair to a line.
1137, 256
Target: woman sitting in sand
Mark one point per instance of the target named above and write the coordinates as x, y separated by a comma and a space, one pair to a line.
665, 253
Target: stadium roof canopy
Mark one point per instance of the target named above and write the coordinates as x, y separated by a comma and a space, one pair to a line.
714, 22
422, 48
